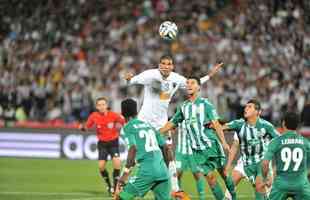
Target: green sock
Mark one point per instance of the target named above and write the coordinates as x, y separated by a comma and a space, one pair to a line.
217, 191
231, 187
201, 188
259, 196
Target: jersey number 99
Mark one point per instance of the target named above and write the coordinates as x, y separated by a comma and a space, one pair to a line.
288, 155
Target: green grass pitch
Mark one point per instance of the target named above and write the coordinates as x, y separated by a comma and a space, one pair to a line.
42, 179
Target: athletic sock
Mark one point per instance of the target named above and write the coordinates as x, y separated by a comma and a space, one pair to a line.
231, 187
201, 188
105, 176
217, 191
173, 175
116, 174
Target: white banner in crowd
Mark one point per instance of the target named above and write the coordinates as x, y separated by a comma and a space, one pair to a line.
52, 145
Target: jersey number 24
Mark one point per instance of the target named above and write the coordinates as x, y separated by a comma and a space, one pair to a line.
150, 140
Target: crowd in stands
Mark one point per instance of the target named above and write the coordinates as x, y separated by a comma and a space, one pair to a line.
57, 57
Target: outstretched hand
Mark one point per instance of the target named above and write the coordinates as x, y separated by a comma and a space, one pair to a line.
215, 69
128, 76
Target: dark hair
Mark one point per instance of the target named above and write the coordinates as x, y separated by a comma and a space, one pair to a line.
291, 120
166, 57
129, 108
195, 78
256, 104
102, 98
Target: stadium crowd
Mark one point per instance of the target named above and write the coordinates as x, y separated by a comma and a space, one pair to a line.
56, 57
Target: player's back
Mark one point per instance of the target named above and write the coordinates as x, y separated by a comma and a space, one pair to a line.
291, 155
148, 155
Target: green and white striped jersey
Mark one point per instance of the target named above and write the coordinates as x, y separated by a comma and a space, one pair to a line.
253, 140
183, 143
195, 116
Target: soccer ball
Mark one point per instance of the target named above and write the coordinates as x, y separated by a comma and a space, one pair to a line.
168, 30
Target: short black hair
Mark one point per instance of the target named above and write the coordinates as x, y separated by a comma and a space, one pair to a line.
129, 108
195, 78
102, 98
166, 57
256, 104
291, 120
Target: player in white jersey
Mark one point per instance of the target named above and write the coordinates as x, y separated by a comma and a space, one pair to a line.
160, 84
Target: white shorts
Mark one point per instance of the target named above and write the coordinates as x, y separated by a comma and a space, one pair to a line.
239, 168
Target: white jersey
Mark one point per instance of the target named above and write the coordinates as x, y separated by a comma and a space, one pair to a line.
155, 104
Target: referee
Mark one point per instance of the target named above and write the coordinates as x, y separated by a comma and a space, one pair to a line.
107, 125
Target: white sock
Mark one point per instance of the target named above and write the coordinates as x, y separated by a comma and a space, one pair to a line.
173, 175
227, 195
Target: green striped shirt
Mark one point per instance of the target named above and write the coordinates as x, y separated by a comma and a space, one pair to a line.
253, 140
195, 115
183, 143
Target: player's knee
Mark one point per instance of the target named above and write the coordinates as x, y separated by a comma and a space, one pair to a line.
101, 166
197, 176
259, 187
211, 179
125, 196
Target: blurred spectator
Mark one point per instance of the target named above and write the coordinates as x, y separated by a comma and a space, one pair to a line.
54, 68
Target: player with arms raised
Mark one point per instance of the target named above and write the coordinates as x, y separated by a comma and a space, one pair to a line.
159, 87
291, 152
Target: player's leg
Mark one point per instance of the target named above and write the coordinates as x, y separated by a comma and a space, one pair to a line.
137, 186
116, 161
198, 175
102, 157
260, 187
214, 185
218, 160
237, 175
277, 194
161, 190
200, 185
229, 184
168, 149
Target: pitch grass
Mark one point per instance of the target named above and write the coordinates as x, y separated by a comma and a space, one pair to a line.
42, 179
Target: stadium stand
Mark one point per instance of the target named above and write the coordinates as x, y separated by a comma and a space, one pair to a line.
56, 57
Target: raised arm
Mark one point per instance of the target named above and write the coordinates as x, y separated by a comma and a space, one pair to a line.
143, 78
212, 72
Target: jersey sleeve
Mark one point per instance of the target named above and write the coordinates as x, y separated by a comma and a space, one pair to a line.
178, 117
128, 136
160, 140
236, 138
211, 112
272, 148
144, 78
272, 131
235, 124
181, 80
90, 121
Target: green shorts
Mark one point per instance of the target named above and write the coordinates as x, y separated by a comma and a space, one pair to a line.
301, 192
148, 177
186, 162
252, 171
255, 170
210, 159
